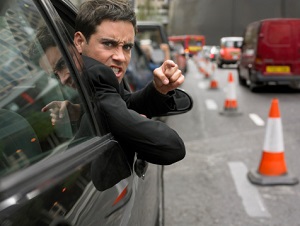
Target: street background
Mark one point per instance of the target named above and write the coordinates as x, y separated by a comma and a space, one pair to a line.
210, 186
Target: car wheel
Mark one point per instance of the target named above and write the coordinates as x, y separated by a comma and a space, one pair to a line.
220, 65
252, 84
253, 87
241, 80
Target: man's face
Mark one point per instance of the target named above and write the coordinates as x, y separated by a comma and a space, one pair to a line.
53, 63
111, 44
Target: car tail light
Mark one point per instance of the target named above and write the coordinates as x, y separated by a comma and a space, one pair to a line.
258, 60
120, 196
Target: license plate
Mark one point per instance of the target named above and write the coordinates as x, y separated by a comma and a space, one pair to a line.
278, 69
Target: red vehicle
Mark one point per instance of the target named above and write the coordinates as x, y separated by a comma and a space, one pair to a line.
192, 43
230, 50
270, 53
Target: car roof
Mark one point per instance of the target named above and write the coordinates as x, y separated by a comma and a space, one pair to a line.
149, 23
232, 39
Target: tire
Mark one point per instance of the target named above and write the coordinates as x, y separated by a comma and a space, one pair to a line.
253, 87
241, 80
220, 65
252, 84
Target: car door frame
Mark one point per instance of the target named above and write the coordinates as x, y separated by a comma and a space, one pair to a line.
25, 184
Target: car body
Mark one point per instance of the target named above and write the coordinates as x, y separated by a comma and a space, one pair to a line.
156, 33
270, 53
51, 174
229, 50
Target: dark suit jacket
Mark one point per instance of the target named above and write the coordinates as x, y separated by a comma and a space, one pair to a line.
154, 141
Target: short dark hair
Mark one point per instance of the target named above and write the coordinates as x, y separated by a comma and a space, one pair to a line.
41, 43
92, 12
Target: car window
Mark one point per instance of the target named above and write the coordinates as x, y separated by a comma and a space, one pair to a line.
152, 34
27, 134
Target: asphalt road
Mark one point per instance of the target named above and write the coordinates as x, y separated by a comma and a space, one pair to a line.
210, 186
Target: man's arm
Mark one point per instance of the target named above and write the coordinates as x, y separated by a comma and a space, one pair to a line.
154, 141
149, 101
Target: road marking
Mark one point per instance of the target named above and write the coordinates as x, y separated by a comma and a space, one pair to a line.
251, 198
211, 104
256, 119
202, 85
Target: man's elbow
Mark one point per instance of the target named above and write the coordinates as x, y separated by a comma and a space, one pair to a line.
175, 155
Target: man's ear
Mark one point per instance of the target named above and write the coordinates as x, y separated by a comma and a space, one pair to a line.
79, 41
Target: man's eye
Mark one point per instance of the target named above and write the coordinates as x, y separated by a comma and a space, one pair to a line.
108, 44
128, 47
60, 65
54, 75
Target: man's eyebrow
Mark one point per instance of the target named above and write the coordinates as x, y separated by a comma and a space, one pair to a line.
107, 39
114, 41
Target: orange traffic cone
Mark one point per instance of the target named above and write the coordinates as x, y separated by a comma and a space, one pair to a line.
213, 81
202, 66
272, 169
230, 103
206, 72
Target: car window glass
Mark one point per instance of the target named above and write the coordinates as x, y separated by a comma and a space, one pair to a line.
152, 34
27, 134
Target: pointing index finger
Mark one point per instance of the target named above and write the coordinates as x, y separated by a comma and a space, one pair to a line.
168, 64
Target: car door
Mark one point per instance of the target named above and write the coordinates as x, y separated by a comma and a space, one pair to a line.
52, 174
140, 200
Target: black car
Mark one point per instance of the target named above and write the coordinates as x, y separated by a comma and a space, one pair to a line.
49, 176
155, 34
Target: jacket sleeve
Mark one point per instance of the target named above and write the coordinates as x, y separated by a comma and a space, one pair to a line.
149, 101
154, 141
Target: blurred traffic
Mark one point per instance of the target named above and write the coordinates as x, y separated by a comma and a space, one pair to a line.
234, 134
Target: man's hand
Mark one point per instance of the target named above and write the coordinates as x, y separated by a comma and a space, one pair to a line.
167, 77
62, 111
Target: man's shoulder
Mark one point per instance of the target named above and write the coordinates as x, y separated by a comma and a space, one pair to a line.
90, 63
98, 72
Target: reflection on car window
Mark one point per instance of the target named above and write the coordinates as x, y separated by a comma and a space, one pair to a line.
26, 133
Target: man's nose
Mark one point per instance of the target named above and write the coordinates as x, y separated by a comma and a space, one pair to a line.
63, 78
119, 54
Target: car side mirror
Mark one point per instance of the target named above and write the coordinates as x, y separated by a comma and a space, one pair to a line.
183, 101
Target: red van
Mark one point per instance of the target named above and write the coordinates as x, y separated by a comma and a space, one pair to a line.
270, 53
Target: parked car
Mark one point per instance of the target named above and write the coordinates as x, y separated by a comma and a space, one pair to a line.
157, 34
205, 52
270, 53
48, 174
229, 50
214, 53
